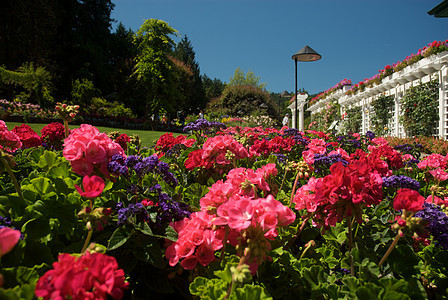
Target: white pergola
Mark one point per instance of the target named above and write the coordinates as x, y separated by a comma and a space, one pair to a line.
429, 68
301, 101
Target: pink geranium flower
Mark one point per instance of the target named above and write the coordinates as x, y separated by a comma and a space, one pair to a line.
439, 174
93, 186
3, 126
8, 239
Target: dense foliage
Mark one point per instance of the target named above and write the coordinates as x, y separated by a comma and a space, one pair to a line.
382, 113
420, 108
74, 45
351, 120
220, 213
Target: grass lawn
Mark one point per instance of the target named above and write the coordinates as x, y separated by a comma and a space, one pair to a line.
147, 137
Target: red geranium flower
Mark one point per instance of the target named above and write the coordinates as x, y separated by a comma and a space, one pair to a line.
409, 200
28, 136
53, 135
90, 276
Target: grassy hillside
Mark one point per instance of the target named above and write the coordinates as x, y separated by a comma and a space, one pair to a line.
147, 137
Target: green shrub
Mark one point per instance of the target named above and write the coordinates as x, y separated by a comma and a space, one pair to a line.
83, 91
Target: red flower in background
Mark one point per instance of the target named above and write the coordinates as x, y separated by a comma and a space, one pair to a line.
90, 276
123, 141
53, 135
168, 141
409, 200
28, 136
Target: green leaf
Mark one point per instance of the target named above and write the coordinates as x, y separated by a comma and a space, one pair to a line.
171, 234
23, 292
148, 249
373, 268
392, 295
226, 274
369, 292
59, 171
208, 288
43, 186
314, 276
36, 228
250, 292
47, 160
35, 154
145, 229
21, 275
351, 283
120, 236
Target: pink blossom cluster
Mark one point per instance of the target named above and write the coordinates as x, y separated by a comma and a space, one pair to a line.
316, 146
240, 181
433, 161
232, 212
9, 141
218, 150
87, 148
90, 276
198, 240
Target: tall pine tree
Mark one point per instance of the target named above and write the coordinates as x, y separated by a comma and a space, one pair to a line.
195, 97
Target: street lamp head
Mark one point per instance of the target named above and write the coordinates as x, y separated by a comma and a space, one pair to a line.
306, 54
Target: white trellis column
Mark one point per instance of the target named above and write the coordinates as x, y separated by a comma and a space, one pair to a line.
442, 103
301, 101
397, 113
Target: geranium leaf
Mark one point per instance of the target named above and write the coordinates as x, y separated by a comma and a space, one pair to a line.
118, 238
249, 292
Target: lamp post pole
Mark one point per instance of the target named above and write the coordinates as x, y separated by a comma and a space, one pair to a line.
295, 96
304, 54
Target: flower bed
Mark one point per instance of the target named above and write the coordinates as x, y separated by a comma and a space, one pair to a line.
220, 213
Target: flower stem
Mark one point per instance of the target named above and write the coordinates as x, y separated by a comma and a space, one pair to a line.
307, 247
86, 243
350, 245
13, 177
392, 246
67, 131
294, 188
242, 260
283, 180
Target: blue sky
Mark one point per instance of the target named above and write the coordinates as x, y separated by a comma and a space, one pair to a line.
356, 38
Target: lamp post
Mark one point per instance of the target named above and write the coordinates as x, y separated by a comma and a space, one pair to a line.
304, 54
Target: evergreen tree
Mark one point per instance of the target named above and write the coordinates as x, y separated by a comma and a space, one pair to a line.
153, 69
213, 87
195, 99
